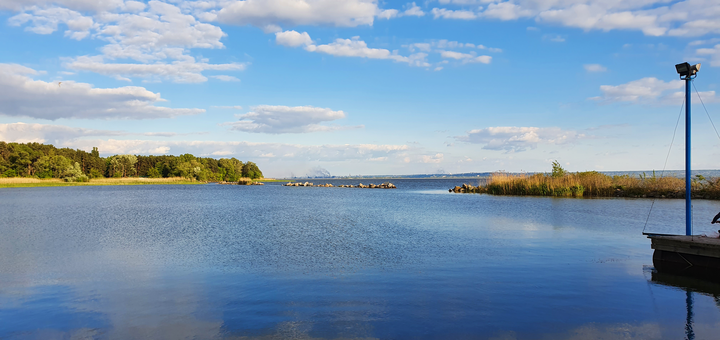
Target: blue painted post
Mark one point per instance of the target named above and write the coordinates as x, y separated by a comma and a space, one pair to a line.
688, 179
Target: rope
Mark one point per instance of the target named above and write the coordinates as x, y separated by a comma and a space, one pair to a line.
706, 110
666, 160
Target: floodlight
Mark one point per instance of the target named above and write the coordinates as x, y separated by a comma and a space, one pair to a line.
695, 68
683, 69
686, 70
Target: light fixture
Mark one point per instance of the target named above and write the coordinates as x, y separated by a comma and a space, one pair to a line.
686, 70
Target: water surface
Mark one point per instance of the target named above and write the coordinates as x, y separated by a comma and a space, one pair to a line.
219, 262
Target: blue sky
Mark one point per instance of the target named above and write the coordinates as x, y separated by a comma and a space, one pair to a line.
363, 86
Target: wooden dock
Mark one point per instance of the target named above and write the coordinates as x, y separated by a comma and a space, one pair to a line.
693, 255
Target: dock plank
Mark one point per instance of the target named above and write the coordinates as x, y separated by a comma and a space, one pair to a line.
694, 245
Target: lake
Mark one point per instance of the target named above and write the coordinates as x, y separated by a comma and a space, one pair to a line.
272, 262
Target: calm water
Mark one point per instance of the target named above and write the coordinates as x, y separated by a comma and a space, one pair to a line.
267, 262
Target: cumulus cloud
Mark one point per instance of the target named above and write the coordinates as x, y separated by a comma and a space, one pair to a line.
142, 40
644, 89
594, 68
285, 119
60, 134
77, 5
20, 95
413, 10
433, 159
466, 58
46, 21
187, 71
388, 14
293, 39
348, 48
518, 139
650, 91
453, 14
652, 17
713, 53
348, 13
41, 133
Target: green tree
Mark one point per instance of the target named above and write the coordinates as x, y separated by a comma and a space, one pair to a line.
557, 169
153, 173
251, 170
122, 165
73, 173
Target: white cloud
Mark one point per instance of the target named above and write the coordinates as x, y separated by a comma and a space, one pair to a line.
20, 95
45, 21
41, 133
293, 39
453, 14
506, 11
518, 139
225, 78
284, 119
146, 41
434, 159
466, 58
348, 48
651, 91
179, 71
348, 13
56, 134
388, 14
455, 55
77, 5
641, 90
413, 10
675, 98
713, 53
652, 17
594, 68
443, 45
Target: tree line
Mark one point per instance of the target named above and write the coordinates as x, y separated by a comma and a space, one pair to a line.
46, 161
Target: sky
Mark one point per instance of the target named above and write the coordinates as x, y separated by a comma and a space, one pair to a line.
366, 87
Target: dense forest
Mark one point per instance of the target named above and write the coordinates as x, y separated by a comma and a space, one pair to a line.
46, 161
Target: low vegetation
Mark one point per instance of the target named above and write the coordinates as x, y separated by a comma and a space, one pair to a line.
561, 183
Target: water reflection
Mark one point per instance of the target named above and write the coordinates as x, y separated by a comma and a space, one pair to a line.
691, 285
308, 263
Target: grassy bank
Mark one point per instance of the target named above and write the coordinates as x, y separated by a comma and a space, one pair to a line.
21, 182
594, 184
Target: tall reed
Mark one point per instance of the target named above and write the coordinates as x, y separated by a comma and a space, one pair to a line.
593, 183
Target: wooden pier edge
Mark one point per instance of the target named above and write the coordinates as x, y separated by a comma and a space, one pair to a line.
692, 255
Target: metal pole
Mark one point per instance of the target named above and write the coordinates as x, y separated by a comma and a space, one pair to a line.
688, 179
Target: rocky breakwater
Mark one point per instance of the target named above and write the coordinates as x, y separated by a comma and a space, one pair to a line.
386, 185
241, 182
467, 189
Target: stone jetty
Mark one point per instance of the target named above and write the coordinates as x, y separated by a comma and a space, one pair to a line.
465, 188
386, 185
241, 183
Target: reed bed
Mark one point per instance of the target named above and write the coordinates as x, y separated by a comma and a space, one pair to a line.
595, 184
14, 182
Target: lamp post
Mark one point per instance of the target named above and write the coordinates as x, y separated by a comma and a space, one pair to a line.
687, 72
